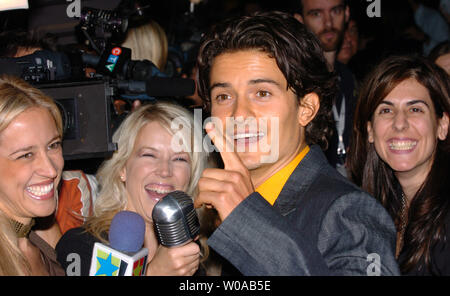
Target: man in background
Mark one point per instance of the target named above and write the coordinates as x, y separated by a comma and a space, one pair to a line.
328, 19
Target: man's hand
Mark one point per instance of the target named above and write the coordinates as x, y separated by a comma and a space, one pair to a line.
225, 188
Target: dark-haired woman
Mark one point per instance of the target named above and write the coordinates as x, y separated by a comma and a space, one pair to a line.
400, 154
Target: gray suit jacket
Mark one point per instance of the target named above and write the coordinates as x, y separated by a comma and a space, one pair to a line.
321, 224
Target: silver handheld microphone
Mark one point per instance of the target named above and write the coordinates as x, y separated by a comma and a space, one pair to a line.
175, 220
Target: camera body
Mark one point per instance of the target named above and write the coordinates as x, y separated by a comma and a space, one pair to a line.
86, 111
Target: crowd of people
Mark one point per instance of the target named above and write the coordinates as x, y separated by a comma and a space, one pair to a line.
318, 167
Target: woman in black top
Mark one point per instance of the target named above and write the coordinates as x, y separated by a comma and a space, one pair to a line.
400, 154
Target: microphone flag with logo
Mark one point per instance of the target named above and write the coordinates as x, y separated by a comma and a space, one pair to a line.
124, 256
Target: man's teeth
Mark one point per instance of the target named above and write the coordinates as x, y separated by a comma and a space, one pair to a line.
40, 190
402, 145
248, 135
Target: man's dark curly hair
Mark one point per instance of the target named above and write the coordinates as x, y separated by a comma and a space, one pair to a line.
297, 52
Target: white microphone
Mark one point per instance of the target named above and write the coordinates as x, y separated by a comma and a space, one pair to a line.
124, 256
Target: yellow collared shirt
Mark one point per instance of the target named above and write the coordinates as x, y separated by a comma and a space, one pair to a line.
272, 187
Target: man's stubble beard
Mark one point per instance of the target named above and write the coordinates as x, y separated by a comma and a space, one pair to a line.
334, 46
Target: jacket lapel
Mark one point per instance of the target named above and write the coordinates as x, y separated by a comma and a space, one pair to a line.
300, 180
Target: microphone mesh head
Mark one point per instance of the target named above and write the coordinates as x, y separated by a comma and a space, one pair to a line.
127, 232
175, 220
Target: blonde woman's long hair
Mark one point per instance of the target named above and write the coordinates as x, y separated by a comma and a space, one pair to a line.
17, 96
148, 42
112, 196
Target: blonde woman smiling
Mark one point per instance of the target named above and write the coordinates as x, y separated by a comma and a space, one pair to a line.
144, 169
31, 164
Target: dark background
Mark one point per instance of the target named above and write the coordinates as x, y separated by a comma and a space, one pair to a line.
380, 36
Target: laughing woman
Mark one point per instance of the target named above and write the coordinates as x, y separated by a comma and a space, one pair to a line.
147, 165
31, 164
401, 155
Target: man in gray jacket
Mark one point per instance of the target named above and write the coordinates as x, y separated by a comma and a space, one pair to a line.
284, 210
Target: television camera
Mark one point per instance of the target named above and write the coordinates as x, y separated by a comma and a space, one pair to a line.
86, 104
